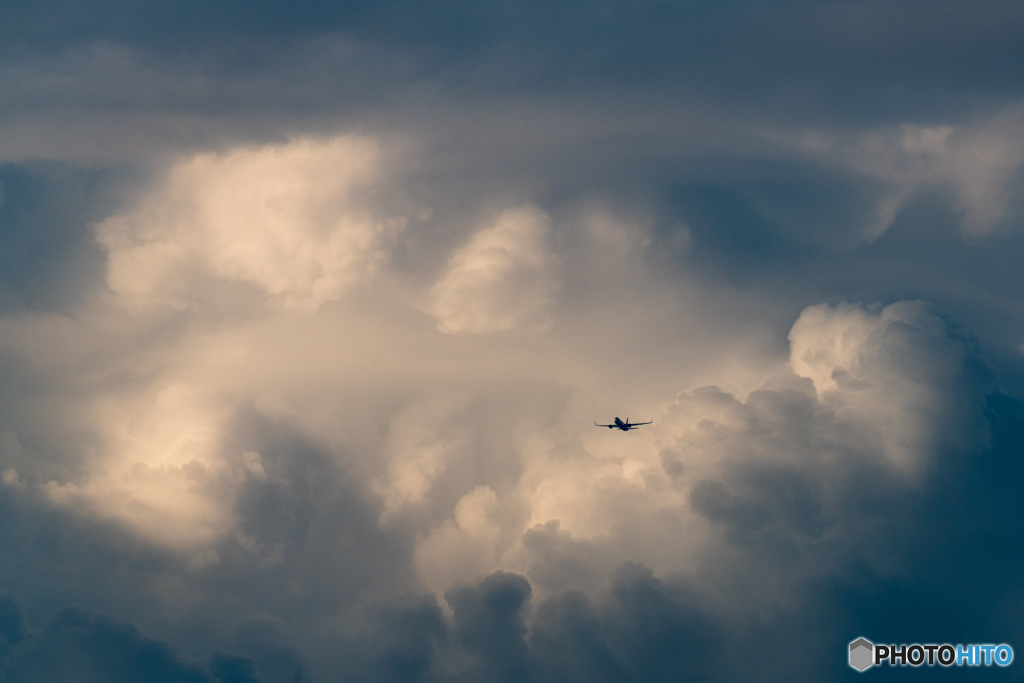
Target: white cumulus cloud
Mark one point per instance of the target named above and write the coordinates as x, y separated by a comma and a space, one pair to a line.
502, 279
284, 221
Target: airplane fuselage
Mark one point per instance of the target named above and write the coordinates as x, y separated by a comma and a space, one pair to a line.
624, 426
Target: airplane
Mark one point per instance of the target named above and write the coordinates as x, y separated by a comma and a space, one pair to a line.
624, 426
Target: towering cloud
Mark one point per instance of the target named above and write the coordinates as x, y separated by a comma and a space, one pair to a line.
283, 219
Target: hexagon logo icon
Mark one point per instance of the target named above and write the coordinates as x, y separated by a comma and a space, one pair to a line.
862, 654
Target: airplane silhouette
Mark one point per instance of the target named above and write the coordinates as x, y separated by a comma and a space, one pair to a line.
624, 426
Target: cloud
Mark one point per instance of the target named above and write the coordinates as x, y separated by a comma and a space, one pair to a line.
918, 382
464, 547
229, 668
489, 622
279, 218
894, 396
502, 279
422, 445
976, 163
164, 470
76, 645
403, 641
12, 627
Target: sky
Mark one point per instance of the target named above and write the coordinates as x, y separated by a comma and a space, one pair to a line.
308, 311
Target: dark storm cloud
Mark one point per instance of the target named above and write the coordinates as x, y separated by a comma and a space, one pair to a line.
231, 668
78, 646
307, 523
307, 549
795, 59
490, 624
12, 627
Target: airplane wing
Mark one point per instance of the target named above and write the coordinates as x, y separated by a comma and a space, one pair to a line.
637, 424
597, 425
